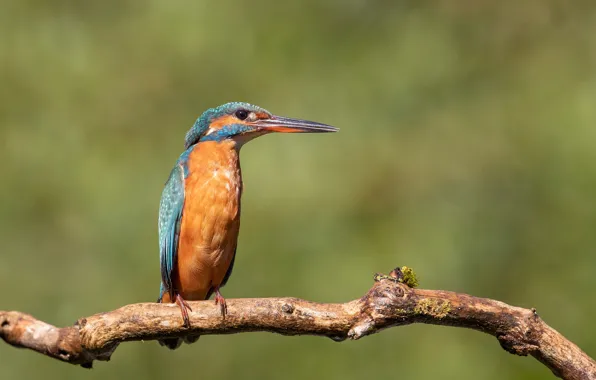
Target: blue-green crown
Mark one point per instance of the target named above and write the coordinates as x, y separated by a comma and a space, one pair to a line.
202, 124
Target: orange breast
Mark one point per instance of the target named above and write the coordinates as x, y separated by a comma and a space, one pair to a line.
210, 219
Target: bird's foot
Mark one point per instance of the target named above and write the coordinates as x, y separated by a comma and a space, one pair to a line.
219, 300
184, 309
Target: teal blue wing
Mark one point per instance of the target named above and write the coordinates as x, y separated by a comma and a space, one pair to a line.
170, 217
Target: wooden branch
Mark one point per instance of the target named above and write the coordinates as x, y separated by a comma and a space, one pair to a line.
387, 304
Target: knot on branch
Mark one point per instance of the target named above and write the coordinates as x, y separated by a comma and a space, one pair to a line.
6, 329
514, 344
523, 338
384, 304
287, 308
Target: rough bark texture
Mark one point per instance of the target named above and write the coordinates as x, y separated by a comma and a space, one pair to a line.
387, 304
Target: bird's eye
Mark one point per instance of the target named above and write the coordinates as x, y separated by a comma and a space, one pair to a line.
242, 114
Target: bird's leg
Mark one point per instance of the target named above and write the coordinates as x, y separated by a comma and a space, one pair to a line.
219, 300
184, 309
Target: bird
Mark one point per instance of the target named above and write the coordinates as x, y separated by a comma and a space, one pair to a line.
199, 212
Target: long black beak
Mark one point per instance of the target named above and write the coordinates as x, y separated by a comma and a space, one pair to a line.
288, 125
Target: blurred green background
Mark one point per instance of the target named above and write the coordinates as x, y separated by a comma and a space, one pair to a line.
467, 151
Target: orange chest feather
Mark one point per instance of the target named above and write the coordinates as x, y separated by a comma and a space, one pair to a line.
211, 215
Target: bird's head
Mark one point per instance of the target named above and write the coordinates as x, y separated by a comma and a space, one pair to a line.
242, 122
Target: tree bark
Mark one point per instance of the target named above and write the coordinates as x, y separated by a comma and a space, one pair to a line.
387, 304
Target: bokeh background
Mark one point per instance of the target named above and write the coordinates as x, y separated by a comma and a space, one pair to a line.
467, 151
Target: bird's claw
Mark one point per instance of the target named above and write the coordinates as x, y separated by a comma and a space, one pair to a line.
184, 309
219, 300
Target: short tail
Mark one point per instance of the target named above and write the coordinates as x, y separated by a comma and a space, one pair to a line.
174, 343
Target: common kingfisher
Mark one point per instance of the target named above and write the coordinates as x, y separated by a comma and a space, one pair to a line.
199, 213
